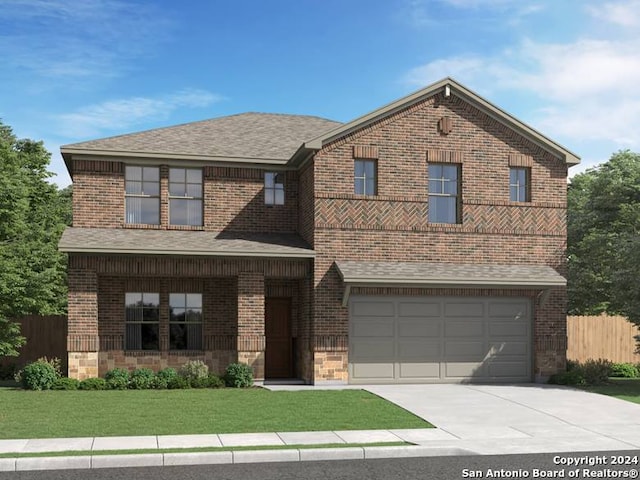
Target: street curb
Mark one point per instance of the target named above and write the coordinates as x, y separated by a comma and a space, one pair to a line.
228, 457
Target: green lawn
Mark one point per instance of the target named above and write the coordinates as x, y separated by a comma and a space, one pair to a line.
28, 414
623, 388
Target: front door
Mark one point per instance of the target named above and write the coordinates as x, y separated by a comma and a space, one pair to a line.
278, 337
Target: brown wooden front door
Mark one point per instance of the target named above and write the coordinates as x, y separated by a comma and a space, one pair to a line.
278, 337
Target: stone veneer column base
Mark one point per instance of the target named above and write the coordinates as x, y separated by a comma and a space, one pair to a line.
83, 365
255, 360
331, 367
548, 363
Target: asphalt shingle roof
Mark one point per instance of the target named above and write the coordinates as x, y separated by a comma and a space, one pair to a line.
181, 242
449, 274
265, 136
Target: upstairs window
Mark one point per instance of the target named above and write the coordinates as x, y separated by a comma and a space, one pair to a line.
444, 198
519, 184
273, 188
185, 321
142, 319
185, 196
365, 177
142, 195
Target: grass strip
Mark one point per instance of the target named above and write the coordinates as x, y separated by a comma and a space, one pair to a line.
54, 414
84, 453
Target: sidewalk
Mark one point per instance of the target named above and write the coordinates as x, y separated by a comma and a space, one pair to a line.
430, 436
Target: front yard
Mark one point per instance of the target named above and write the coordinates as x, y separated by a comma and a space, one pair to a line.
623, 388
29, 414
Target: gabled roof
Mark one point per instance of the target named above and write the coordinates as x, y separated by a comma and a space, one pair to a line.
181, 242
247, 137
456, 89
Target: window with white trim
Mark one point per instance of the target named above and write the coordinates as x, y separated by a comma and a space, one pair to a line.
273, 188
185, 196
142, 320
444, 198
185, 321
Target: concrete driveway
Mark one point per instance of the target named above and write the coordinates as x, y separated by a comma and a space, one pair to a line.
496, 419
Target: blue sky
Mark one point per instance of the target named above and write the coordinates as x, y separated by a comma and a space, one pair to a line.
74, 70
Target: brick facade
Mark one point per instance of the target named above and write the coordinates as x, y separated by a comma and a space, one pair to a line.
321, 207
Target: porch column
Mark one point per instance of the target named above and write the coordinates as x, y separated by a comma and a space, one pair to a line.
251, 339
82, 330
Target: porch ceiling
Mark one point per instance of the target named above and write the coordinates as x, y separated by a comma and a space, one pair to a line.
180, 242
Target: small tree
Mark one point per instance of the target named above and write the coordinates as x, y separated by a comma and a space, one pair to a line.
10, 338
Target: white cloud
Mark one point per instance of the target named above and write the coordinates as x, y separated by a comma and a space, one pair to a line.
586, 90
626, 13
120, 114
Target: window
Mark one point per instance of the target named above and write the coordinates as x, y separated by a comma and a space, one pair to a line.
519, 184
142, 195
185, 196
185, 321
364, 177
142, 321
443, 193
273, 188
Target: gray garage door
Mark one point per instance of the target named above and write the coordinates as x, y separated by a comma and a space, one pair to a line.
430, 339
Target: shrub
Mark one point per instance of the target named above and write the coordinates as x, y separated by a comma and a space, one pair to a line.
238, 375
163, 377
178, 383
193, 371
596, 372
214, 381
571, 377
624, 370
55, 362
142, 379
64, 383
93, 384
38, 375
117, 379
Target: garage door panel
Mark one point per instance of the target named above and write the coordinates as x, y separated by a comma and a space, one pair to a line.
463, 328
511, 329
508, 309
471, 350
374, 309
419, 328
379, 371
507, 347
460, 370
374, 328
418, 370
463, 309
419, 309
419, 350
374, 349
439, 339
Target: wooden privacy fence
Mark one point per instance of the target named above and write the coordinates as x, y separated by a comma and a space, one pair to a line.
46, 337
603, 336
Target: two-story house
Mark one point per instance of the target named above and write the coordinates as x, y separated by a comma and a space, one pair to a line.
422, 242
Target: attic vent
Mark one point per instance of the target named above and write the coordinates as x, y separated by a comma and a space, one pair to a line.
445, 125
365, 151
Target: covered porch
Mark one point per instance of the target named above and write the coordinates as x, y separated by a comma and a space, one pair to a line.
157, 299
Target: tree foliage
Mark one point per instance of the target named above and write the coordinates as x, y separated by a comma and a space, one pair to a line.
33, 214
603, 238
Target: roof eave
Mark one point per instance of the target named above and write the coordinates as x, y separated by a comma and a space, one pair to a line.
199, 253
